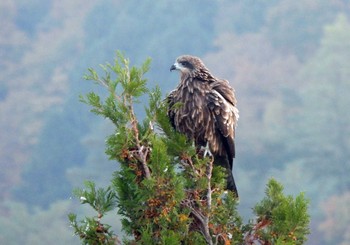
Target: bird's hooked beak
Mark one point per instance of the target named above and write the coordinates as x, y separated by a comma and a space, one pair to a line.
174, 66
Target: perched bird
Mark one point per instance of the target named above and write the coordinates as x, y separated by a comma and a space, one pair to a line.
205, 111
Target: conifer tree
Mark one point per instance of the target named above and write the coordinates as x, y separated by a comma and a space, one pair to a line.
166, 191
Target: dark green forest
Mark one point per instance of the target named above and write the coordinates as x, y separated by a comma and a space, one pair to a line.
289, 62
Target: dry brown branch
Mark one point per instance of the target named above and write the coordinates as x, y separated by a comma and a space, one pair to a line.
201, 214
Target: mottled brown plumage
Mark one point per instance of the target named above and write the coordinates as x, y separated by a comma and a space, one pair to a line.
207, 111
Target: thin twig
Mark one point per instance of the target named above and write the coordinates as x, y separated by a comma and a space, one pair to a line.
143, 151
209, 193
103, 83
187, 160
143, 154
202, 216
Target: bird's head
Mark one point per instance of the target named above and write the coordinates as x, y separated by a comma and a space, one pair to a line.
187, 64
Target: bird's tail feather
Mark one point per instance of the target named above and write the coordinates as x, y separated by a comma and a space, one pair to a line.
224, 162
231, 185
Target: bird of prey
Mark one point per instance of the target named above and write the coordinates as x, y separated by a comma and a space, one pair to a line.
205, 111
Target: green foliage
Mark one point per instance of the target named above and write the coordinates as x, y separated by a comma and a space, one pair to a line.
101, 200
165, 190
91, 230
282, 219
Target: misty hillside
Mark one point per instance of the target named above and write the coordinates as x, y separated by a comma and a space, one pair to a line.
289, 62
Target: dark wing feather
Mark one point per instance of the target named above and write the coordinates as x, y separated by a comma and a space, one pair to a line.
221, 102
224, 88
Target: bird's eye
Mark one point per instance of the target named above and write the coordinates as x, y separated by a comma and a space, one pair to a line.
185, 63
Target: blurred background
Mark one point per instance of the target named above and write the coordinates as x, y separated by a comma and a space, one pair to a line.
289, 62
